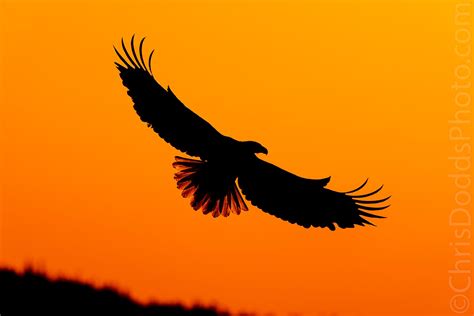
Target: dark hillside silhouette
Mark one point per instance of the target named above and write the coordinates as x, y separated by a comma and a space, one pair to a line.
32, 293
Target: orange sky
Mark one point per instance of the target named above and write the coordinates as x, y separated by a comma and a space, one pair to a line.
351, 89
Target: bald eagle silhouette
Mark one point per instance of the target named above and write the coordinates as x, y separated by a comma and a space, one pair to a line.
211, 181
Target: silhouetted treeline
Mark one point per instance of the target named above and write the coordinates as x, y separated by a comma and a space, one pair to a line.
33, 293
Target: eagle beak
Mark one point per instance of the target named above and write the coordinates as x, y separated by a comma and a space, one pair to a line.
264, 151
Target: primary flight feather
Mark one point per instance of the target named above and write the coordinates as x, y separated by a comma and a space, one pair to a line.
211, 181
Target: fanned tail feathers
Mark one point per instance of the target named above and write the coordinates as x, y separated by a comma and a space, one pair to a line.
209, 190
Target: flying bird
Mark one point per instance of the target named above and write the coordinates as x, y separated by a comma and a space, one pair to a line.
225, 164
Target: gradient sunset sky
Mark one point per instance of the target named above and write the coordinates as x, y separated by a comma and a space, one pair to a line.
348, 89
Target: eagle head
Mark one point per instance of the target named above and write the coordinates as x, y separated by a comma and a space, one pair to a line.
255, 147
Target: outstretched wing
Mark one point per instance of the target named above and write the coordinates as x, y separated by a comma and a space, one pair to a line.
162, 110
305, 202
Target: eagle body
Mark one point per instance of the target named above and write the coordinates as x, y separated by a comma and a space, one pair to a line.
225, 167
